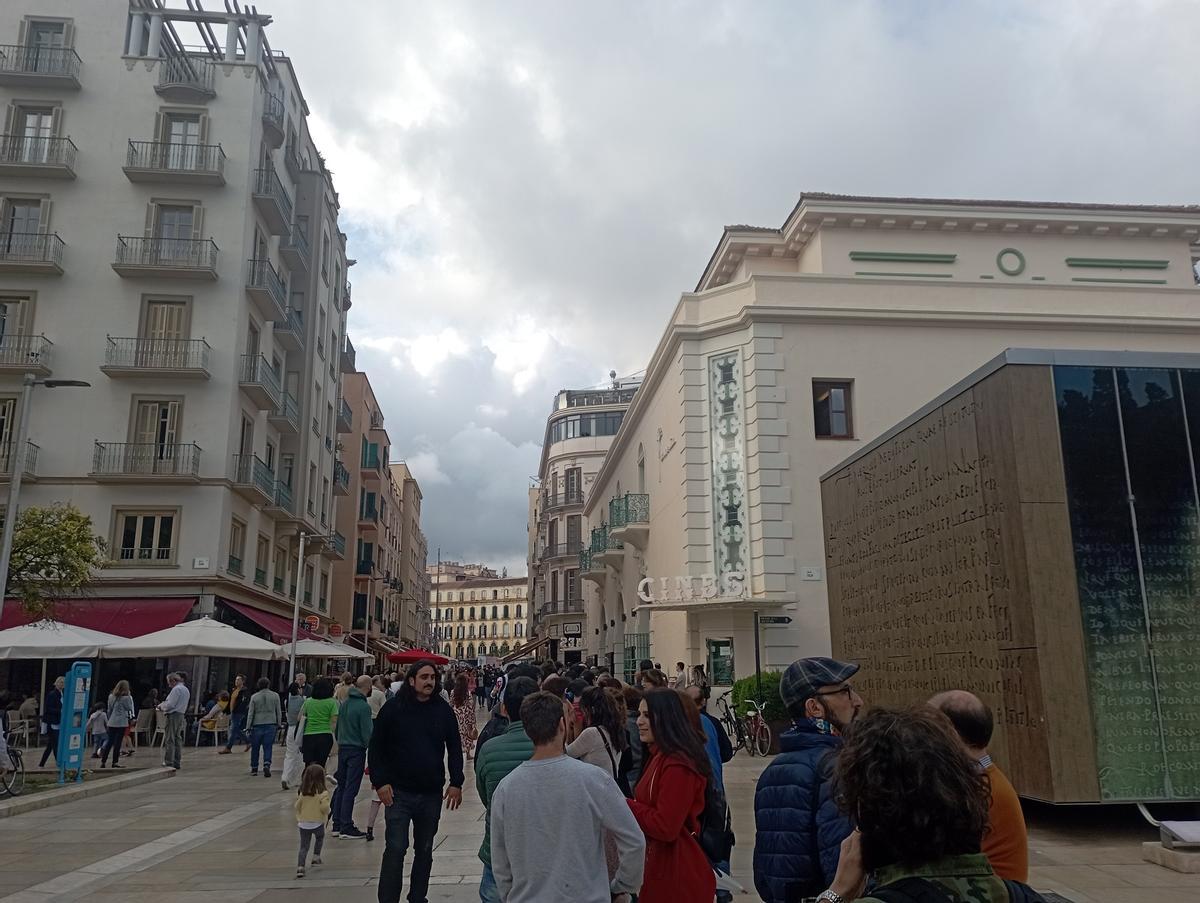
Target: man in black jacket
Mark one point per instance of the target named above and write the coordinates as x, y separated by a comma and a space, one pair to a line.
413, 735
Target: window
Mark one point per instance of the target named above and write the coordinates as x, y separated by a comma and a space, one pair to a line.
325, 256
324, 501
262, 555
574, 532
572, 586
506, 632
520, 630
460, 611
16, 315
155, 435
472, 613
308, 584
831, 409
578, 426
472, 595
574, 484
281, 564
518, 611
641, 470
494, 609
323, 601
21, 222
237, 546
312, 488
505, 611
145, 537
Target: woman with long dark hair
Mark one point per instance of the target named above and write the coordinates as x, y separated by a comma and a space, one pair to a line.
464, 711
670, 798
319, 717
603, 739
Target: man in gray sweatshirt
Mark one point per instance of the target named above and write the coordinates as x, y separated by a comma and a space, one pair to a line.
549, 817
262, 721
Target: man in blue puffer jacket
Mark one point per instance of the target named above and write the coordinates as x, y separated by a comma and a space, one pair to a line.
798, 828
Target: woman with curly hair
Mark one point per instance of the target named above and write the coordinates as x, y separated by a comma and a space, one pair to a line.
670, 798
921, 807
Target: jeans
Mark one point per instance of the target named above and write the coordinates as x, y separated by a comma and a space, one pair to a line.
237, 724
173, 739
115, 736
316, 748
262, 736
351, 760
488, 892
307, 834
424, 810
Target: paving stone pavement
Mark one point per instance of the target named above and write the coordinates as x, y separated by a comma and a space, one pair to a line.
214, 832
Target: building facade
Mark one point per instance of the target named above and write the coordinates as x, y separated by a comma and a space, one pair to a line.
802, 343
478, 617
169, 233
412, 594
579, 430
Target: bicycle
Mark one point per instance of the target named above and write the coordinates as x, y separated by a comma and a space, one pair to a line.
12, 780
758, 732
735, 728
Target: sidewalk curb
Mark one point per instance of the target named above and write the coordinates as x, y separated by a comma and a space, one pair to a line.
72, 792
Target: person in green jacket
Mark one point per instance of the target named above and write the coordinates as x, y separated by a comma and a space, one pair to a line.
354, 726
502, 755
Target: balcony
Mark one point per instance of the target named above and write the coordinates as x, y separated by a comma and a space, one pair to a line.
38, 67
166, 258
552, 501
272, 201
294, 249
178, 164
368, 517
137, 462
143, 357
341, 479
345, 417
629, 519
31, 252
37, 158
335, 548
561, 550
266, 289
286, 417
281, 503
25, 354
260, 577
253, 480
291, 160
28, 465
346, 297
562, 607
346, 358
234, 566
289, 331
364, 568
371, 470
272, 119
606, 550
260, 381
591, 569
187, 79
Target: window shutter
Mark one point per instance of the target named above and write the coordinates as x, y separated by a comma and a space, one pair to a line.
149, 228
24, 327
203, 128
56, 115
10, 118
160, 127
44, 222
197, 222
69, 34
23, 32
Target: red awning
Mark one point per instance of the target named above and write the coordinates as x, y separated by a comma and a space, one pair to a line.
279, 627
123, 617
412, 656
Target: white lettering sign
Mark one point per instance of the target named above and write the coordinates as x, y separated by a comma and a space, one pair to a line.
730, 585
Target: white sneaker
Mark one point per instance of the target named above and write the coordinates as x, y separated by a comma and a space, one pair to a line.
300, 871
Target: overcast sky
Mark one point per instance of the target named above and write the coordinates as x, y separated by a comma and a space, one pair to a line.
528, 187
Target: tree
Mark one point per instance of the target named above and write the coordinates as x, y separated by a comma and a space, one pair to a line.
54, 554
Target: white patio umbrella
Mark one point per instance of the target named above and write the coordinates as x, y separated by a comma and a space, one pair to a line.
201, 637
320, 649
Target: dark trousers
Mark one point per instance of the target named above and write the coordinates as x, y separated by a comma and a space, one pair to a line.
307, 835
351, 760
51, 747
262, 736
424, 810
316, 748
115, 736
237, 723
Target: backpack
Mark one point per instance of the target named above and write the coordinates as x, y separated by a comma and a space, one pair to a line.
922, 890
716, 832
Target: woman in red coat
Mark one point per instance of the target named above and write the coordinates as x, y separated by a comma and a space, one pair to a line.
669, 799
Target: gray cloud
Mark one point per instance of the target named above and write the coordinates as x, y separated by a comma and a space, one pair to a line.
529, 186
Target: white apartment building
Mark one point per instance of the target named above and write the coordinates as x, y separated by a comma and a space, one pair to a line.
477, 617
169, 233
804, 342
579, 430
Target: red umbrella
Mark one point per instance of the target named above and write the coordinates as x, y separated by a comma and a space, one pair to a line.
412, 656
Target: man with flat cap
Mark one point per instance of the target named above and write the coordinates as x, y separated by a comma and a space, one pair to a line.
798, 828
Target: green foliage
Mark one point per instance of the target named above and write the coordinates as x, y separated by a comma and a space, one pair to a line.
747, 688
54, 554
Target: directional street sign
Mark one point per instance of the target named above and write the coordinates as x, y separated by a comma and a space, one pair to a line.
777, 620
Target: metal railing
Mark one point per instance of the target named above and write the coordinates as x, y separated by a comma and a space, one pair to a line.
297, 240
37, 151
289, 409
344, 412
251, 470
338, 542
8, 457
183, 253
257, 369
24, 351
348, 353
630, 508
369, 512
273, 110
376, 420
187, 72
292, 324
346, 295
267, 184
34, 60
198, 158
260, 576
235, 565
341, 476
283, 497
155, 459
157, 354
364, 567
277, 585
552, 500
263, 276
30, 247
585, 561
562, 549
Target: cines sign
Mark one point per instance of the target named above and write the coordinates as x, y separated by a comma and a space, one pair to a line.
730, 585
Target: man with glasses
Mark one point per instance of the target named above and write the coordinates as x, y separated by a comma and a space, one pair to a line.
798, 828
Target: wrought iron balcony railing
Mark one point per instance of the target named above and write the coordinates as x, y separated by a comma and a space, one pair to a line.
157, 354
37, 151
191, 72
263, 276
25, 351
178, 253
267, 183
36, 60
31, 247
251, 470
151, 459
187, 158
630, 508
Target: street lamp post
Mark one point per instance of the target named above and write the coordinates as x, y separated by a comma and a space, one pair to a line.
16, 459
296, 608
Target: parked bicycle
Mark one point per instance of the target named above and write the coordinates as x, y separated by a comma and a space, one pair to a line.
758, 732
735, 727
12, 779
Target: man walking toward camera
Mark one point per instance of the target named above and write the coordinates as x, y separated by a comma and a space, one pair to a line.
414, 733
798, 827
354, 728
